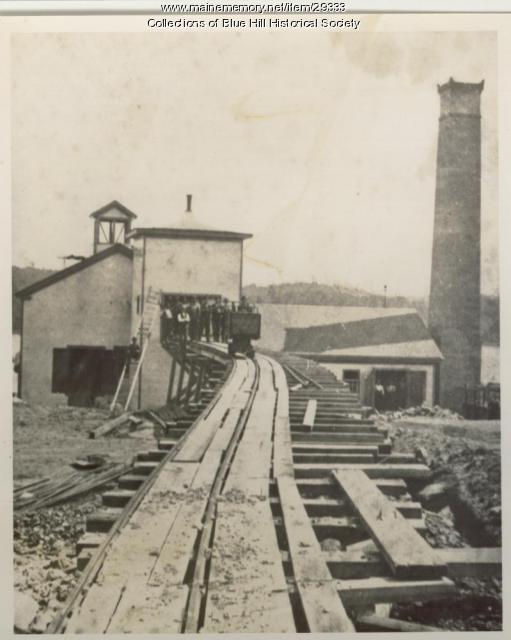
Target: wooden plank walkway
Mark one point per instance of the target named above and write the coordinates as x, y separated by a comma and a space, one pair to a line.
203, 432
407, 553
140, 585
250, 470
247, 590
134, 551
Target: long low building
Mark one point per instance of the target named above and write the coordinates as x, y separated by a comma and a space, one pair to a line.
386, 355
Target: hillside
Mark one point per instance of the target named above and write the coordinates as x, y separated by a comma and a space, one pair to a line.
21, 278
322, 294
297, 293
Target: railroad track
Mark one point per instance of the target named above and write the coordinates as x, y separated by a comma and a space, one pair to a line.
230, 531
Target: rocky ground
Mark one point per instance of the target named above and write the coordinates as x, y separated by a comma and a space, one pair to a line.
46, 441
463, 508
45, 560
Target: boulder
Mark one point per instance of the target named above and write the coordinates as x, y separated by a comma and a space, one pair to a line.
330, 544
25, 610
434, 492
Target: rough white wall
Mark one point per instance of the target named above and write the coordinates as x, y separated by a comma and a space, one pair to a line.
490, 363
182, 265
365, 370
90, 307
179, 265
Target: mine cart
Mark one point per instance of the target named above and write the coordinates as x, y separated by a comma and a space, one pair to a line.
244, 326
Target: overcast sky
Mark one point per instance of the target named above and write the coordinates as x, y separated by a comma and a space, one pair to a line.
322, 145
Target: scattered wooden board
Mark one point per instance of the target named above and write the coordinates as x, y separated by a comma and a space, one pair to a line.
310, 414
407, 553
108, 426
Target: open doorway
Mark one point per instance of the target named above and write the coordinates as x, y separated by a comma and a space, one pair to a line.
390, 389
398, 388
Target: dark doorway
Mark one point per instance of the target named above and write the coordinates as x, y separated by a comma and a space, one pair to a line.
390, 389
84, 373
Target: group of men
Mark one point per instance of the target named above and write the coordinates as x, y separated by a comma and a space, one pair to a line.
197, 319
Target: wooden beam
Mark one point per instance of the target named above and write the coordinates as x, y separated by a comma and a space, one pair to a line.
373, 622
407, 553
378, 590
108, 426
323, 609
363, 559
375, 470
472, 563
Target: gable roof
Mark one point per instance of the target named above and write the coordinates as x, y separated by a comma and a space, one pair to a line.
75, 268
394, 329
420, 349
178, 232
115, 204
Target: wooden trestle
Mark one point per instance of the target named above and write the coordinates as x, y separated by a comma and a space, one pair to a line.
222, 528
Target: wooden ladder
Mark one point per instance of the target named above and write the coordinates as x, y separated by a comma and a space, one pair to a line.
144, 329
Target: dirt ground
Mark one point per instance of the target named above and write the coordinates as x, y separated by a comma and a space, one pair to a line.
464, 457
47, 439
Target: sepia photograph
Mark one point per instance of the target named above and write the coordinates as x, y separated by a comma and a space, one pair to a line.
255, 325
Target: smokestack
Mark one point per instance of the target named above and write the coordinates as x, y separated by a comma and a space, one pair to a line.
189, 203
455, 294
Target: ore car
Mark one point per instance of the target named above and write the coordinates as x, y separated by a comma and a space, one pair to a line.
244, 326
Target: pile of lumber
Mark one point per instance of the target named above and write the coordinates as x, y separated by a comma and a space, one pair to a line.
48, 492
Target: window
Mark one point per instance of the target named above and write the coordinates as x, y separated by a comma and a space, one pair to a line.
352, 378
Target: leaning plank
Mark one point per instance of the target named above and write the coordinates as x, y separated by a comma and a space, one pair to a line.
108, 426
407, 553
379, 590
371, 622
310, 414
323, 608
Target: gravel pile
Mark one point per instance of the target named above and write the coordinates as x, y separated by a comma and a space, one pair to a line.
429, 412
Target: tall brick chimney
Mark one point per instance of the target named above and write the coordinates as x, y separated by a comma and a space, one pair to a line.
455, 295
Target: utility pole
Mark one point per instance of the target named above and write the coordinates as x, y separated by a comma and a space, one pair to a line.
384, 296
